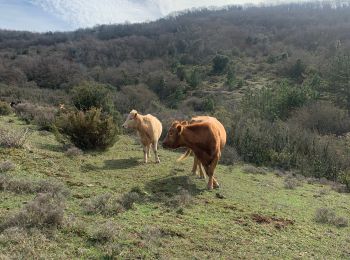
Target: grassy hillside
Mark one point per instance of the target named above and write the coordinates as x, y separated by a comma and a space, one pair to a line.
253, 216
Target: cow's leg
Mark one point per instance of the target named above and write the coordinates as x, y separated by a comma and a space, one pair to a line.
210, 172
201, 173
145, 153
149, 151
194, 167
155, 149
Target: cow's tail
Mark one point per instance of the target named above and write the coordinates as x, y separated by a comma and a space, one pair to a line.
185, 155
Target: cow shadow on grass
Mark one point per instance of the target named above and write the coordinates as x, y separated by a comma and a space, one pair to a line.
173, 191
115, 164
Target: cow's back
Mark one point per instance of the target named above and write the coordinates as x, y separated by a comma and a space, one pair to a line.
219, 128
154, 126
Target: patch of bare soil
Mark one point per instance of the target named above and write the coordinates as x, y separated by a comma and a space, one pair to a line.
279, 223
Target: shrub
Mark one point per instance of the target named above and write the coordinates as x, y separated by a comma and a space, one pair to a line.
5, 109
229, 156
182, 199
340, 222
323, 117
328, 216
278, 101
128, 199
7, 166
104, 204
220, 63
73, 152
88, 130
291, 183
252, 169
41, 116
90, 94
104, 233
13, 139
42, 212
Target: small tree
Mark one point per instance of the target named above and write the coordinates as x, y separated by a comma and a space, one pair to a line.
87, 130
220, 63
91, 94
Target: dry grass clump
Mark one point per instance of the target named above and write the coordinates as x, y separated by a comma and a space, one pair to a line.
291, 183
107, 204
12, 138
253, 170
23, 186
182, 199
104, 233
73, 152
7, 166
43, 212
104, 204
328, 216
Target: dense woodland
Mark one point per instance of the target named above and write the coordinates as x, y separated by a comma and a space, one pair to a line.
278, 77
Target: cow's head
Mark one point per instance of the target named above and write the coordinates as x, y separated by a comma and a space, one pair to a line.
131, 121
173, 137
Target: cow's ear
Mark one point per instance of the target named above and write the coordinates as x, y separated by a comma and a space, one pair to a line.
135, 115
179, 129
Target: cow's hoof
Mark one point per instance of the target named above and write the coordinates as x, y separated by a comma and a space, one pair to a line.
158, 161
210, 188
217, 186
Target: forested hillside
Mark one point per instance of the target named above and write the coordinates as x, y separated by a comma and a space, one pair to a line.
276, 76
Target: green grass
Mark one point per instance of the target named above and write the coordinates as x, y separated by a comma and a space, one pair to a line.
207, 227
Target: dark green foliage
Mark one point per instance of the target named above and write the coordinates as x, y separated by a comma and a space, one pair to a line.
220, 63
5, 109
89, 130
194, 78
231, 78
339, 78
297, 70
278, 101
90, 94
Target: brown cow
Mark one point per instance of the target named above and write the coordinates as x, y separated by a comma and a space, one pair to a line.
206, 139
196, 162
149, 129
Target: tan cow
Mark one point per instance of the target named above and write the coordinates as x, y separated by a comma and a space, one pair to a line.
206, 139
149, 128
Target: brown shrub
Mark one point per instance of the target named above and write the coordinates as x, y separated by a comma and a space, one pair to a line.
5, 109
42, 212
13, 139
7, 166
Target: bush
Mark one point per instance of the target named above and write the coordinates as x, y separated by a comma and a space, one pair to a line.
291, 183
323, 117
328, 216
73, 152
42, 212
41, 116
253, 170
104, 233
182, 199
104, 204
324, 215
13, 139
89, 130
7, 166
278, 101
90, 94
220, 63
5, 109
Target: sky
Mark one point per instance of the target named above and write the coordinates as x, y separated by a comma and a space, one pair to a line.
68, 15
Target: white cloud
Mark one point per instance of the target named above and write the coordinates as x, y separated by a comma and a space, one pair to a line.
87, 13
